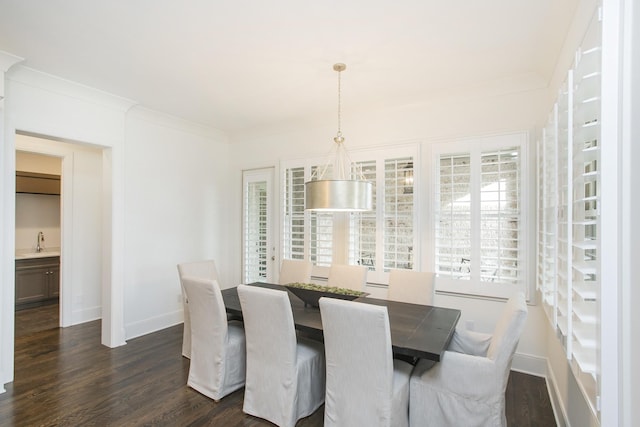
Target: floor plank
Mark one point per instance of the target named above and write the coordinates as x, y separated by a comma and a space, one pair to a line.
66, 377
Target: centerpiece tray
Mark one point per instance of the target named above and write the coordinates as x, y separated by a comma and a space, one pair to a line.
310, 294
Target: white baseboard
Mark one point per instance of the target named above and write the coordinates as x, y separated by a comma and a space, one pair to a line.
86, 315
147, 326
556, 403
528, 364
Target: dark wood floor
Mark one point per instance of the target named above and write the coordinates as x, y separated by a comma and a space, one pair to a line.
37, 319
65, 377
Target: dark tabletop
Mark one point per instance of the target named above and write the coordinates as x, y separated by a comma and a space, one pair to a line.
417, 330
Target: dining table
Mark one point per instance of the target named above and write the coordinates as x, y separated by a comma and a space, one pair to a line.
417, 331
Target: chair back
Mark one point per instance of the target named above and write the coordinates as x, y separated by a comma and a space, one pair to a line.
270, 334
347, 276
415, 287
293, 270
359, 361
507, 334
208, 332
201, 269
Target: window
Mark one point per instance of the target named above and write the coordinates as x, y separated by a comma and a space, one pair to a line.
453, 227
306, 235
380, 239
384, 238
398, 213
480, 235
500, 215
321, 238
362, 239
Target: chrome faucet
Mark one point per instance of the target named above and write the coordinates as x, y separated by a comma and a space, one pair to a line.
39, 247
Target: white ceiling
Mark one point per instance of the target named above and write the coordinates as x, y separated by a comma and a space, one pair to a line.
237, 64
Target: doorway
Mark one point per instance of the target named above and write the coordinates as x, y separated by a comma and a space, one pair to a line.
81, 224
37, 242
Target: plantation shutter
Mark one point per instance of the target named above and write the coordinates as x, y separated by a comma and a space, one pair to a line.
363, 228
565, 209
398, 213
320, 232
453, 217
293, 227
547, 216
586, 205
500, 215
255, 223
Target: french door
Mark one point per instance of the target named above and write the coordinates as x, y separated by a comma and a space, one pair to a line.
258, 249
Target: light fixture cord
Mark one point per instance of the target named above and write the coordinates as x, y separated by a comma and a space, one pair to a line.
343, 165
339, 104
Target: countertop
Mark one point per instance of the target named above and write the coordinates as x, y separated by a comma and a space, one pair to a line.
31, 253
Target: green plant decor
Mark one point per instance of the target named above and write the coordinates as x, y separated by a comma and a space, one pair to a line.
320, 288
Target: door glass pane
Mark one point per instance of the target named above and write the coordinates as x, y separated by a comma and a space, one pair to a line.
256, 244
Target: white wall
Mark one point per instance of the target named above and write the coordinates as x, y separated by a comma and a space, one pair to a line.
37, 212
176, 193
33, 162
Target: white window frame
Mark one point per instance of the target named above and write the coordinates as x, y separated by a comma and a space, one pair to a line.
527, 250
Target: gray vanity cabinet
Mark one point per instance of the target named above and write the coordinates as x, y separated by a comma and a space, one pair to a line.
37, 281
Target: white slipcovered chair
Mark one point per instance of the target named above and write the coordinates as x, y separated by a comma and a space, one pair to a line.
415, 287
204, 270
217, 348
347, 276
365, 385
285, 374
467, 387
294, 270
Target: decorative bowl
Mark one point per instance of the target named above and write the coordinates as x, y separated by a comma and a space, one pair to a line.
310, 294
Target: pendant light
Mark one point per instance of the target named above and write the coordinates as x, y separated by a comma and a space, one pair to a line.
340, 194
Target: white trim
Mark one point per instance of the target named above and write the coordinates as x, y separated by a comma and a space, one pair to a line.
629, 203
88, 314
557, 403
68, 89
610, 214
154, 324
529, 364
